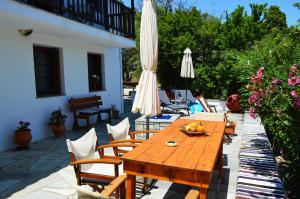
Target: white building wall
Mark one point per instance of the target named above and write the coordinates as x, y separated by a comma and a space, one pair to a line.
18, 99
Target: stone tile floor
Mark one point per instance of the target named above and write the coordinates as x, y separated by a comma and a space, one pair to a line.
43, 171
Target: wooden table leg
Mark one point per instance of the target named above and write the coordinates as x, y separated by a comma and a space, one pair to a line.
130, 186
203, 193
220, 160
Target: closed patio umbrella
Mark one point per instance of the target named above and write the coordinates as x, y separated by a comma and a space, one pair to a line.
187, 70
147, 99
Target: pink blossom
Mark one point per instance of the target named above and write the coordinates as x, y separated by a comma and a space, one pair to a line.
291, 74
297, 103
256, 96
298, 79
294, 68
293, 93
292, 81
258, 76
276, 81
252, 113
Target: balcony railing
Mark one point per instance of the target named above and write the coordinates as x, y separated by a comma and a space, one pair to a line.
104, 14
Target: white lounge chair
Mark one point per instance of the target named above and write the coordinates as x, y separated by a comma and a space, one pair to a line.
185, 94
168, 106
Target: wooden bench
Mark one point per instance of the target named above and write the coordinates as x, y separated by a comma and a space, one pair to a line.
84, 108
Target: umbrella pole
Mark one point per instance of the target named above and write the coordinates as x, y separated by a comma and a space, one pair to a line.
186, 101
147, 126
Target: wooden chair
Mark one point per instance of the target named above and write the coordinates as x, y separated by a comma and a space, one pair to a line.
205, 105
84, 158
117, 183
120, 133
211, 116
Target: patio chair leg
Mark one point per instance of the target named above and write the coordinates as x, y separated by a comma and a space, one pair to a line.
145, 187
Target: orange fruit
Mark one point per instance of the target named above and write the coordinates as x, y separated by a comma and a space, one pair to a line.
193, 129
200, 128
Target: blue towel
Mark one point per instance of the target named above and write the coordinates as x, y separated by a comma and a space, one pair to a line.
195, 107
163, 117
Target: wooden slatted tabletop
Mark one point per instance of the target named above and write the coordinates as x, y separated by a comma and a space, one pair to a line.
191, 162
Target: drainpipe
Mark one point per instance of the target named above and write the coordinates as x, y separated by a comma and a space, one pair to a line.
121, 81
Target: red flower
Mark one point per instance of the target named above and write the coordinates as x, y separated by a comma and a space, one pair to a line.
258, 76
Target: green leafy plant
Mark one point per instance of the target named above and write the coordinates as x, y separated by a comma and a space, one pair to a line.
23, 126
57, 118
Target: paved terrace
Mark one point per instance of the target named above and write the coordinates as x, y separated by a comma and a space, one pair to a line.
44, 171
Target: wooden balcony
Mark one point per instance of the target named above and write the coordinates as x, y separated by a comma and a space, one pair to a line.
111, 15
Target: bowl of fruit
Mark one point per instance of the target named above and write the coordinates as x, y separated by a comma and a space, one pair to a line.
194, 128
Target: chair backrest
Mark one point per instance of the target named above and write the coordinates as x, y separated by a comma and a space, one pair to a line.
204, 104
84, 147
120, 131
187, 94
163, 97
217, 117
84, 102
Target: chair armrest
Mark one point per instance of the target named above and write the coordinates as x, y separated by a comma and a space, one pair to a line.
192, 194
143, 131
126, 141
109, 189
96, 161
112, 145
133, 133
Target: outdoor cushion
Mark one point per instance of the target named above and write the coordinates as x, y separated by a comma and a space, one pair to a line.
163, 97
84, 193
257, 155
120, 131
261, 182
195, 107
210, 116
252, 191
185, 94
269, 172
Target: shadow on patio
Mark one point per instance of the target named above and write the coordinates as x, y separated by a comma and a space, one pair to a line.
44, 171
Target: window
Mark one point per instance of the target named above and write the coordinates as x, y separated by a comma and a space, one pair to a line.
47, 71
95, 72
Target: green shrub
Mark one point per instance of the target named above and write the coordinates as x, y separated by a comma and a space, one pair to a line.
272, 90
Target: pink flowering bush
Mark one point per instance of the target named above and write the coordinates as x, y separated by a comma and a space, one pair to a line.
271, 90
263, 90
273, 94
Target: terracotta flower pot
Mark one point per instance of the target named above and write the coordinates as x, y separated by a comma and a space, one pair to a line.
230, 130
233, 103
58, 129
22, 138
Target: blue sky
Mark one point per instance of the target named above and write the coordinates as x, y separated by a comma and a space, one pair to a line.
217, 7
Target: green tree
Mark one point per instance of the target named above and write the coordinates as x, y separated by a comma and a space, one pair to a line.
275, 18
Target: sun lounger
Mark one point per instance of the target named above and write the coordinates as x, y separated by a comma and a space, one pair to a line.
168, 106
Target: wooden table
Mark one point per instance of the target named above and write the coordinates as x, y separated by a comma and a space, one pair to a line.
192, 162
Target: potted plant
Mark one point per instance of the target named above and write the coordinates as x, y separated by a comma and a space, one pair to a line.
115, 112
57, 122
23, 135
